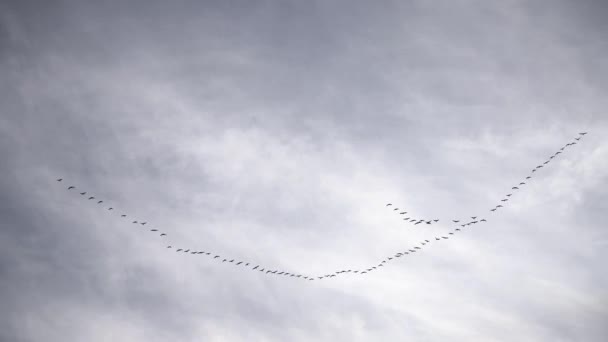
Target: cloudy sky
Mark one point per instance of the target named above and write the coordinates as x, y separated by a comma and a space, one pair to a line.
275, 132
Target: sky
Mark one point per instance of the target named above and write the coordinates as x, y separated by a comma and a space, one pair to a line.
275, 133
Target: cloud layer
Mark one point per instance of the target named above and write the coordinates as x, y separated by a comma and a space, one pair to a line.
276, 132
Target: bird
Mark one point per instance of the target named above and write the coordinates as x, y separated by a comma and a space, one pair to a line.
437, 239
577, 139
224, 260
92, 197
389, 204
163, 234
473, 217
493, 209
153, 230
403, 213
187, 250
168, 246
71, 187
458, 229
178, 250
143, 223
445, 237
504, 199
557, 153
522, 183
231, 260
528, 177
83, 193
436, 220
215, 257
483, 220
515, 188
428, 222
395, 209
134, 222
582, 133
59, 179
406, 219
455, 221
99, 202
509, 195
499, 206
110, 208
417, 247
451, 233
256, 267
123, 215
240, 262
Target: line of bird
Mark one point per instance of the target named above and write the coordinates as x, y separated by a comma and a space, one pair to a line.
416, 221
268, 271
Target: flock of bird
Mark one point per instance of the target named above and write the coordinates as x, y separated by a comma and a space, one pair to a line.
462, 223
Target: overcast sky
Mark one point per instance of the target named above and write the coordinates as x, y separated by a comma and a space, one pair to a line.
274, 132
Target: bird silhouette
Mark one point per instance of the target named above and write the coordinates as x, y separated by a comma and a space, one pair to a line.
168, 246
528, 177
71, 187
509, 195
436, 220
163, 234
492, 209
153, 230
215, 257
134, 222
504, 199
123, 215
403, 213
110, 208
473, 217
178, 250
483, 220
522, 183
99, 202
582, 133
388, 204
499, 206
256, 267
515, 188
92, 197
143, 223
83, 193
455, 221
59, 179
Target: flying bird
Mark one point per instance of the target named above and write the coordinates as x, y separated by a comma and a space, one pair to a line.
515, 188
83, 193
483, 220
153, 230
458, 229
256, 267
473, 217
60, 179
436, 220
582, 133
143, 223
215, 257
455, 221
445, 237
71, 187
99, 202
522, 183
509, 195
163, 234
92, 197
168, 246
493, 209
504, 199
528, 177
388, 204
123, 215
240, 262
499, 206
403, 213
178, 250
134, 222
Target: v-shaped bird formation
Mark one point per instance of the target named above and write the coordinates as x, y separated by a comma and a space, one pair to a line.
245, 265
